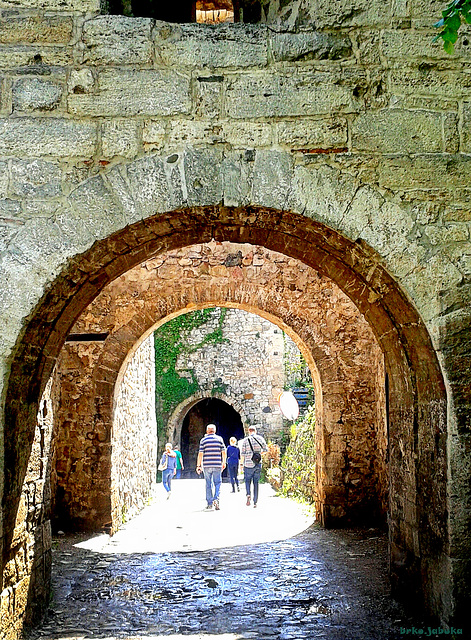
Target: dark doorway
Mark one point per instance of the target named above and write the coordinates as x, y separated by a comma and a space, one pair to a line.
209, 410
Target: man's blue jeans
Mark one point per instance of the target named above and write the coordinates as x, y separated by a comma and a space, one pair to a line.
252, 474
167, 476
212, 475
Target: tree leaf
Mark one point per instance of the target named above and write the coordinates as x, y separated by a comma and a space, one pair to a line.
449, 36
449, 47
453, 22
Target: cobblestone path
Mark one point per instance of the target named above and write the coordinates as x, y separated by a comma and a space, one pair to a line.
317, 584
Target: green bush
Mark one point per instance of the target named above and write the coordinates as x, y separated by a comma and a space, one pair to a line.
299, 461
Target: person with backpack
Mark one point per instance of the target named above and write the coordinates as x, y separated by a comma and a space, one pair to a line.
251, 451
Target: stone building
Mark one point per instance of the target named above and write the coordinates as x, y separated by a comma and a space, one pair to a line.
237, 378
335, 135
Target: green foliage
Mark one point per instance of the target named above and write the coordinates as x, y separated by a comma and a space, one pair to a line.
297, 374
299, 460
171, 340
453, 16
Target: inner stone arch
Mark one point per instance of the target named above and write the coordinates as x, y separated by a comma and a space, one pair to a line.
175, 423
201, 413
417, 399
146, 297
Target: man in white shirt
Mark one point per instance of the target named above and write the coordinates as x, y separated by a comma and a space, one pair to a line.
251, 451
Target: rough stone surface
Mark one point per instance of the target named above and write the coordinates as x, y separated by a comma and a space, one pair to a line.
133, 93
134, 454
391, 177
36, 95
117, 40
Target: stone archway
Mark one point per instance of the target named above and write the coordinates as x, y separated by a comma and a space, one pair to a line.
351, 467
417, 400
204, 411
175, 422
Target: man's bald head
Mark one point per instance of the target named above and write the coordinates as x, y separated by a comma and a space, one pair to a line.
211, 428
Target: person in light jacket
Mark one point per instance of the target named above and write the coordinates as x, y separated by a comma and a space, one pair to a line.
169, 458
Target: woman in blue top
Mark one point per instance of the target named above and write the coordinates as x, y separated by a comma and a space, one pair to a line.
170, 457
233, 457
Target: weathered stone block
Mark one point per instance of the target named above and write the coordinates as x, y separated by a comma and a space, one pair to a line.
426, 283
426, 171
5, 96
323, 134
466, 128
194, 132
429, 81
40, 209
426, 8
398, 131
117, 40
120, 189
350, 13
34, 59
47, 137
54, 29
130, 93
35, 94
247, 135
414, 45
95, 209
280, 94
3, 179
272, 179
323, 192
36, 179
237, 175
308, 45
149, 185
78, 6
215, 46
208, 98
10, 209
119, 138
153, 135
203, 179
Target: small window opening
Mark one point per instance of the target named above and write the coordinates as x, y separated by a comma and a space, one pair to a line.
214, 11
184, 11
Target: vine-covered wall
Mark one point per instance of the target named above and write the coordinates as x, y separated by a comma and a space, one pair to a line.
172, 340
226, 353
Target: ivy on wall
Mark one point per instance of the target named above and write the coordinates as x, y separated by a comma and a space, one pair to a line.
172, 340
299, 460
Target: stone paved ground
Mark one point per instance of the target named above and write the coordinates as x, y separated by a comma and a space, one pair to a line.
317, 584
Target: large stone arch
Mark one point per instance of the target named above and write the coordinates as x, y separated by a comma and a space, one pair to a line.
352, 447
315, 213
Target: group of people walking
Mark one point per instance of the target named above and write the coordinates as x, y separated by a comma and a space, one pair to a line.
213, 458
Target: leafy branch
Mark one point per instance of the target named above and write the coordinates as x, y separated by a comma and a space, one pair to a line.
453, 16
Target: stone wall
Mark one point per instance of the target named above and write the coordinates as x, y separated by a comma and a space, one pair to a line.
134, 439
103, 471
344, 144
247, 364
25, 587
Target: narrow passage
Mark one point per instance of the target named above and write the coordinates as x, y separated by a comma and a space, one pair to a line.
240, 573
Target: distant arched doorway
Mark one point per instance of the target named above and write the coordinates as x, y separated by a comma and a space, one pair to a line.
208, 410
